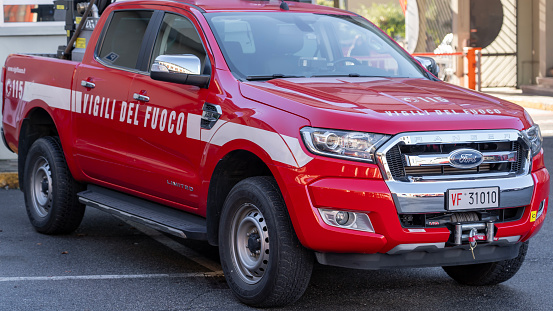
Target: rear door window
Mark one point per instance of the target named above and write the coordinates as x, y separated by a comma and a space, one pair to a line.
123, 38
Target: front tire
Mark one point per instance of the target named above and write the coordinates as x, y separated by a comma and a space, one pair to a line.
50, 190
264, 263
491, 273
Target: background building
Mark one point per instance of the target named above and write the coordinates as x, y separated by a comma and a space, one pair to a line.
516, 37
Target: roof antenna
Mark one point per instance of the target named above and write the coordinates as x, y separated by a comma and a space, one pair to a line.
284, 6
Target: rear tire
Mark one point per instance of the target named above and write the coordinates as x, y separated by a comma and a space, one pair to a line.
491, 273
264, 263
50, 190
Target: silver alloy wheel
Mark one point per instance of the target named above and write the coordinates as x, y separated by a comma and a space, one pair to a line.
41, 187
250, 243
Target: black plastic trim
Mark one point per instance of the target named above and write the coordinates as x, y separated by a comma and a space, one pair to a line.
157, 216
443, 257
149, 40
22, 150
182, 78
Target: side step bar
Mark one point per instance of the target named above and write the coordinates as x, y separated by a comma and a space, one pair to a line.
151, 214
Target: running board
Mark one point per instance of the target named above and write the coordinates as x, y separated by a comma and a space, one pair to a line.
151, 214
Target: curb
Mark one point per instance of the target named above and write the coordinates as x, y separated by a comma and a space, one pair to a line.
9, 181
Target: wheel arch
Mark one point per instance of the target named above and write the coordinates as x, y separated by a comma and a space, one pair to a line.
38, 123
235, 166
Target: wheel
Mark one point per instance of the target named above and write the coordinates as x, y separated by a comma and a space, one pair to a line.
264, 263
50, 190
488, 273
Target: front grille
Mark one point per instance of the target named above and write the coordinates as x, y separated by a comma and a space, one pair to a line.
516, 166
445, 170
400, 170
396, 164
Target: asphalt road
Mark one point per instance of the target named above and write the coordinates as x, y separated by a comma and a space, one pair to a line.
108, 264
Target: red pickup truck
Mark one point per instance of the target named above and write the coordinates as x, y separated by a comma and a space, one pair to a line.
282, 132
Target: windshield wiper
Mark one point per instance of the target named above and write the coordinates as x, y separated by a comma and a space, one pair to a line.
355, 75
339, 75
269, 77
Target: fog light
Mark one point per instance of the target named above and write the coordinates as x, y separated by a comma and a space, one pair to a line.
346, 220
342, 218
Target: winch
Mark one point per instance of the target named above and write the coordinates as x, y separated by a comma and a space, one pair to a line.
463, 233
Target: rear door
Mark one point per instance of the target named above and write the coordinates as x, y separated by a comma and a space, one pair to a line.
103, 122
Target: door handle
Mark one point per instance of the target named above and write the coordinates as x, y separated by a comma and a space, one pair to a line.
142, 98
87, 84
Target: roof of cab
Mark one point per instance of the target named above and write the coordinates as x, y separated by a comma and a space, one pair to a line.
249, 5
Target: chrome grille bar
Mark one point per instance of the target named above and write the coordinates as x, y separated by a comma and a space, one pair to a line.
443, 159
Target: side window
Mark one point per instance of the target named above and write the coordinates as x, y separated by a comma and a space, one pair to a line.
178, 35
123, 38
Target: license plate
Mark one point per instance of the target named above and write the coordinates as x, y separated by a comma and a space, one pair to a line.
470, 198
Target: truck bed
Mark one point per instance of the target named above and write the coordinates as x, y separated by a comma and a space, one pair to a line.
37, 82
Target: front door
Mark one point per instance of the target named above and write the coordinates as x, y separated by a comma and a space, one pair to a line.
165, 162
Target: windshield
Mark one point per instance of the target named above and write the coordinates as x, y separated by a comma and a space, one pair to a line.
266, 45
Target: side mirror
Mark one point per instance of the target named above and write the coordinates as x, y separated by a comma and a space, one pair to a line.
183, 69
429, 63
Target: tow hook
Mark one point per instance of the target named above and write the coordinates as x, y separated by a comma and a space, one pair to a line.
473, 232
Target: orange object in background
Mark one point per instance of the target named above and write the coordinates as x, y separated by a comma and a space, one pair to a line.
473, 64
19, 13
473, 68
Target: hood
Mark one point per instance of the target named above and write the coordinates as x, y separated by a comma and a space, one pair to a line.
387, 105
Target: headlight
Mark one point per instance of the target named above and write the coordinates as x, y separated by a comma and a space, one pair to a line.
343, 144
534, 139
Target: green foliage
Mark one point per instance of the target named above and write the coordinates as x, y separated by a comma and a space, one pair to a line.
329, 3
388, 17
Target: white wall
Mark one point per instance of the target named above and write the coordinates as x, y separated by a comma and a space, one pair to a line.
37, 38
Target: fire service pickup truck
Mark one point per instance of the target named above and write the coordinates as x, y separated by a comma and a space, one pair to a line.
283, 133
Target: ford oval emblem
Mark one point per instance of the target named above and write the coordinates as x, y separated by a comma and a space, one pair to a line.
465, 158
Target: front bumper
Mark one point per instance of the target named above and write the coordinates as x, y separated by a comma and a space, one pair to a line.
361, 188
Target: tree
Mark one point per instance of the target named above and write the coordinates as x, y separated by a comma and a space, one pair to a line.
330, 3
388, 17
